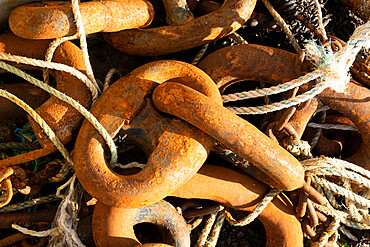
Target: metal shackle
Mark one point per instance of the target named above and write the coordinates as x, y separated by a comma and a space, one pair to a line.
242, 192
114, 226
49, 20
59, 115
175, 149
168, 39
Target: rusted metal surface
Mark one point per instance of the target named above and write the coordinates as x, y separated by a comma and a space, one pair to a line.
359, 7
168, 39
353, 103
26, 219
174, 148
113, 226
243, 192
251, 62
232, 131
48, 20
60, 116
177, 12
12, 239
29, 93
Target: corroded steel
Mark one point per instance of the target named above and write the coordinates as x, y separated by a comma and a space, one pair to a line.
359, 7
60, 116
243, 192
257, 63
177, 12
48, 20
168, 39
32, 95
26, 219
232, 131
113, 226
353, 103
174, 148
227, 65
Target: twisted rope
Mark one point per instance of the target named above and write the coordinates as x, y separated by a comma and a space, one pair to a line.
256, 211
206, 230
50, 53
319, 19
280, 21
108, 77
239, 39
29, 203
81, 34
332, 228
52, 65
70, 101
332, 69
200, 54
48, 131
216, 229
39, 234
332, 126
356, 209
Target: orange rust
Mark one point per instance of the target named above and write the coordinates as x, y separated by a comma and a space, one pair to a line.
60, 116
359, 7
168, 39
284, 171
177, 12
48, 20
113, 226
354, 104
235, 63
12, 239
242, 192
32, 95
175, 149
6, 220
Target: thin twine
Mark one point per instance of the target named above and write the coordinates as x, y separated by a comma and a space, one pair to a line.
108, 77
215, 233
83, 42
51, 65
256, 211
70, 101
50, 53
280, 21
33, 233
322, 116
331, 71
200, 54
29, 203
320, 20
48, 131
238, 38
318, 168
332, 126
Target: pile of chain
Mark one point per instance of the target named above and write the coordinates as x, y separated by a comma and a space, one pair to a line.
156, 145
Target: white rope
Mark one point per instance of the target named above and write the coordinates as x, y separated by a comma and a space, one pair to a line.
332, 126
39, 234
319, 18
280, 21
52, 65
70, 101
256, 211
332, 69
319, 169
65, 220
108, 77
46, 128
200, 54
83, 43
